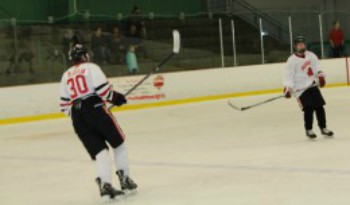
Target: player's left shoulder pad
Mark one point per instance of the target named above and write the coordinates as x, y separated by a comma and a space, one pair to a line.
92, 65
312, 55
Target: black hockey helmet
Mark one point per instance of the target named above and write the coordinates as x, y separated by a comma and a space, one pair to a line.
78, 53
299, 39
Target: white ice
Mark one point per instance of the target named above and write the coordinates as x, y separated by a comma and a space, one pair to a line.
202, 153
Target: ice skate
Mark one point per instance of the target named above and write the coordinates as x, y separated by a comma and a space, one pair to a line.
107, 191
310, 134
126, 183
326, 132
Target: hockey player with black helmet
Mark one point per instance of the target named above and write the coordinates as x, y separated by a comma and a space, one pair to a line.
303, 78
83, 92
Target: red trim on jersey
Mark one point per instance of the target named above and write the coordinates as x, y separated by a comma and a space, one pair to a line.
105, 92
120, 130
305, 65
299, 55
65, 104
121, 133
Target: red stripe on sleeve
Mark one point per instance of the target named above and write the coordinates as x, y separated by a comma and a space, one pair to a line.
65, 104
105, 92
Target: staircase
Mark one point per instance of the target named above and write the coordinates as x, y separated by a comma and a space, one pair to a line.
251, 15
201, 43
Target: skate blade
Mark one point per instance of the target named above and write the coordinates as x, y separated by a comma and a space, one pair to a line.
130, 192
311, 138
119, 198
108, 199
328, 136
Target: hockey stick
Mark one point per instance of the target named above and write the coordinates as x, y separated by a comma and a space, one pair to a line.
254, 105
266, 101
176, 50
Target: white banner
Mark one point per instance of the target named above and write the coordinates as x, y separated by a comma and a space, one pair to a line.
152, 90
32, 100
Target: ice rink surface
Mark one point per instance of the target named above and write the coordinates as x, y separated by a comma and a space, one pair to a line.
202, 153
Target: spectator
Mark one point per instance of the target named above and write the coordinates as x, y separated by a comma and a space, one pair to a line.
134, 37
118, 47
25, 33
336, 38
66, 42
131, 60
77, 38
137, 32
99, 47
137, 41
136, 20
11, 51
53, 55
26, 56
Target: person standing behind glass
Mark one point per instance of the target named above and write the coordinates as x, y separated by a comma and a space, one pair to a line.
336, 38
99, 47
137, 32
131, 60
118, 46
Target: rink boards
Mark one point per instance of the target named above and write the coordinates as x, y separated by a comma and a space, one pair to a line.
40, 102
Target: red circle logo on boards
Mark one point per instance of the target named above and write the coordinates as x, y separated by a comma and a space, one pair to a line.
158, 82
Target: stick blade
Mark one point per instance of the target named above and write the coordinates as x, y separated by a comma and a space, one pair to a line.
177, 41
233, 106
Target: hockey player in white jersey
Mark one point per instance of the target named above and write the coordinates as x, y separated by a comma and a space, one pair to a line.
84, 92
303, 79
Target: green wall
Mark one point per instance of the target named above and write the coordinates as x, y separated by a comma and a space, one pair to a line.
159, 7
34, 10
39, 10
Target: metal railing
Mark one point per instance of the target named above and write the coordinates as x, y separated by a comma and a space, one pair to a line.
252, 15
37, 52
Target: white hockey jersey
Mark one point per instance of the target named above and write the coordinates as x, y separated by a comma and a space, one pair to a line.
301, 72
81, 81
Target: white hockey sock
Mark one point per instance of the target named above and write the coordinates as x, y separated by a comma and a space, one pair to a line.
104, 166
121, 158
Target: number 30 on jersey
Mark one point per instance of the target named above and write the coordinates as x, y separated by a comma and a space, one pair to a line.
77, 86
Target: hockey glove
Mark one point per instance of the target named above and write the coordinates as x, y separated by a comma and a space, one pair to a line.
321, 79
287, 92
118, 99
